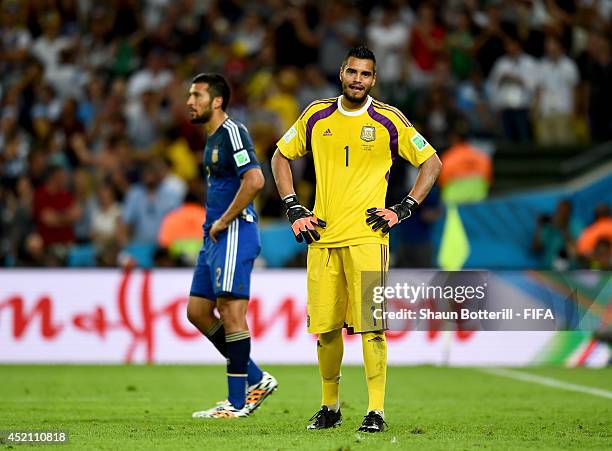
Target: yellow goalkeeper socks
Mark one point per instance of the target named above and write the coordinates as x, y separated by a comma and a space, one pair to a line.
375, 362
330, 348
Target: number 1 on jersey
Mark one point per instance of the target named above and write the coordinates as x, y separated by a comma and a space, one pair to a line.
346, 148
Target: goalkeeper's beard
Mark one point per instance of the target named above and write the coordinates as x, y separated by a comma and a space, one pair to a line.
353, 99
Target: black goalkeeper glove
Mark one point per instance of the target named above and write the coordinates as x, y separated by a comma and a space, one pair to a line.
386, 218
303, 221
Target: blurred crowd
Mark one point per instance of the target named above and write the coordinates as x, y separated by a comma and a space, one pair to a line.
562, 242
96, 148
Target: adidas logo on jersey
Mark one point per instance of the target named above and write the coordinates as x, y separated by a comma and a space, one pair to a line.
327, 132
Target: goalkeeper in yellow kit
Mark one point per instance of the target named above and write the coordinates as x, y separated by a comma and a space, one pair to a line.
354, 140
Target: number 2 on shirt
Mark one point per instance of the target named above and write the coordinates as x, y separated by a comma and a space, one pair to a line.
346, 148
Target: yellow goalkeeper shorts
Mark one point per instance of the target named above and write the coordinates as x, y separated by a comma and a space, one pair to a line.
336, 277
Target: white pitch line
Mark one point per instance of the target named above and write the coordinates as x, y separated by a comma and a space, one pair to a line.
548, 381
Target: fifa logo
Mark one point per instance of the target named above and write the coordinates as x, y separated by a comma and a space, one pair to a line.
368, 133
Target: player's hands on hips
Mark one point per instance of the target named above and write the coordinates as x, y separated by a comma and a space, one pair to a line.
386, 218
303, 221
218, 226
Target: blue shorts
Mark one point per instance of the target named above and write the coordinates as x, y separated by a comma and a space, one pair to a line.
224, 268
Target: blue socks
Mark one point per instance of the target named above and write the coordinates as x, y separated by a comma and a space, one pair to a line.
238, 349
216, 335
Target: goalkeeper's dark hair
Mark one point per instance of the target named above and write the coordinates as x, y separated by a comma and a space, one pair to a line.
361, 52
217, 87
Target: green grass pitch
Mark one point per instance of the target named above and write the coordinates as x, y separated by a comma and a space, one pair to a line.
144, 407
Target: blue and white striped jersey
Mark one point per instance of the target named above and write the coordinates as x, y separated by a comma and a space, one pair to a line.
228, 154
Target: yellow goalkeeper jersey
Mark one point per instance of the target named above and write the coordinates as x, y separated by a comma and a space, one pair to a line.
353, 152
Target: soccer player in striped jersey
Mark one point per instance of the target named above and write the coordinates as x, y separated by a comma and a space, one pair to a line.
353, 140
222, 274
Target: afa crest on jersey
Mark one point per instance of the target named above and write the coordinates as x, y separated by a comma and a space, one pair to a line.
215, 155
368, 133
